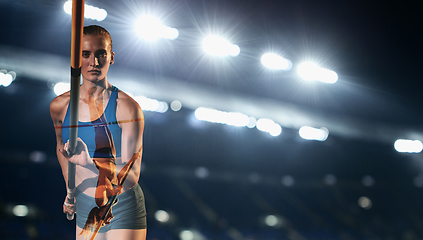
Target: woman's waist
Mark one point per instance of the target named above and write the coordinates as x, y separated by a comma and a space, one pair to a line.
105, 160
90, 190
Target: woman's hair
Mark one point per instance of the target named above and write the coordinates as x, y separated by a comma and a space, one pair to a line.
97, 30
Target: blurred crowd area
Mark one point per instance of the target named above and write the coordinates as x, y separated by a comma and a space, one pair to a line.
200, 207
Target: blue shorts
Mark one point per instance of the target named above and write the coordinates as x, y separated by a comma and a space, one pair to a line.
129, 212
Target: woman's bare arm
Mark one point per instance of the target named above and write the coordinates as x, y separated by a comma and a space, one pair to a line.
58, 108
129, 112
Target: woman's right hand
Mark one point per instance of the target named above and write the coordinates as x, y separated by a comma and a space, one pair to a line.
80, 157
69, 207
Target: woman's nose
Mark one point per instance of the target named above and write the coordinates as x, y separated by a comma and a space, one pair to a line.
94, 61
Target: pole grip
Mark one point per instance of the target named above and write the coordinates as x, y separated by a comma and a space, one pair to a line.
71, 200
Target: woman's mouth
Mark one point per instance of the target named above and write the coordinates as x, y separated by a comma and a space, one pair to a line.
95, 72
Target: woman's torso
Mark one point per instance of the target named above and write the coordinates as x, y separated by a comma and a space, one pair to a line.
86, 176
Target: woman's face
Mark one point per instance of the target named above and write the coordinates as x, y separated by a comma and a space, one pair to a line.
96, 57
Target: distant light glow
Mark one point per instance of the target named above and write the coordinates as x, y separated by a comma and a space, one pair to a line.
268, 125
162, 216
312, 72
330, 179
202, 172
191, 235
6, 78
408, 146
274, 61
175, 105
218, 46
254, 178
90, 12
271, 220
368, 181
150, 28
288, 181
365, 202
148, 104
418, 180
216, 116
61, 87
37, 157
20, 210
310, 133
186, 235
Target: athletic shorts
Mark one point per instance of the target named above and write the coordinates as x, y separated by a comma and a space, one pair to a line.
128, 213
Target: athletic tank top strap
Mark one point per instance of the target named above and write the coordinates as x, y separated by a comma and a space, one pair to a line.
110, 110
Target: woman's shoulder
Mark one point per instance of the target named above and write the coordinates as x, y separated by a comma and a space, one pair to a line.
126, 100
59, 104
127, 105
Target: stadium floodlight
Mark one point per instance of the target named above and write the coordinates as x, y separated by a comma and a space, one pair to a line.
274, 61
271, 220
216, 116
6, 78
365, 202
148, 104
150, 28
312, 72
162, 216
310, 133
268, 125
252, 122
61, 87
90, 12
191, 234
20, 210
408, 146
175, 105
218, 46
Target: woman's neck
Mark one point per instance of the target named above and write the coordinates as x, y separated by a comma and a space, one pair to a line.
97, 87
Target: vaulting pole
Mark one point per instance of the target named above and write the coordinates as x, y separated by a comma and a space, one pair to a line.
76, 53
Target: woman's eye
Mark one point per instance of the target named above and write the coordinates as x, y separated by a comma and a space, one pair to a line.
85, 55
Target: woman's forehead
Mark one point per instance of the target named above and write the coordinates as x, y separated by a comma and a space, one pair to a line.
95, 41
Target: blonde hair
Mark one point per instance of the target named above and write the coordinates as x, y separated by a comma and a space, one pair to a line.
98, 30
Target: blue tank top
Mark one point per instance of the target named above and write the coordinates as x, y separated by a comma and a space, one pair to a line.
96, 134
